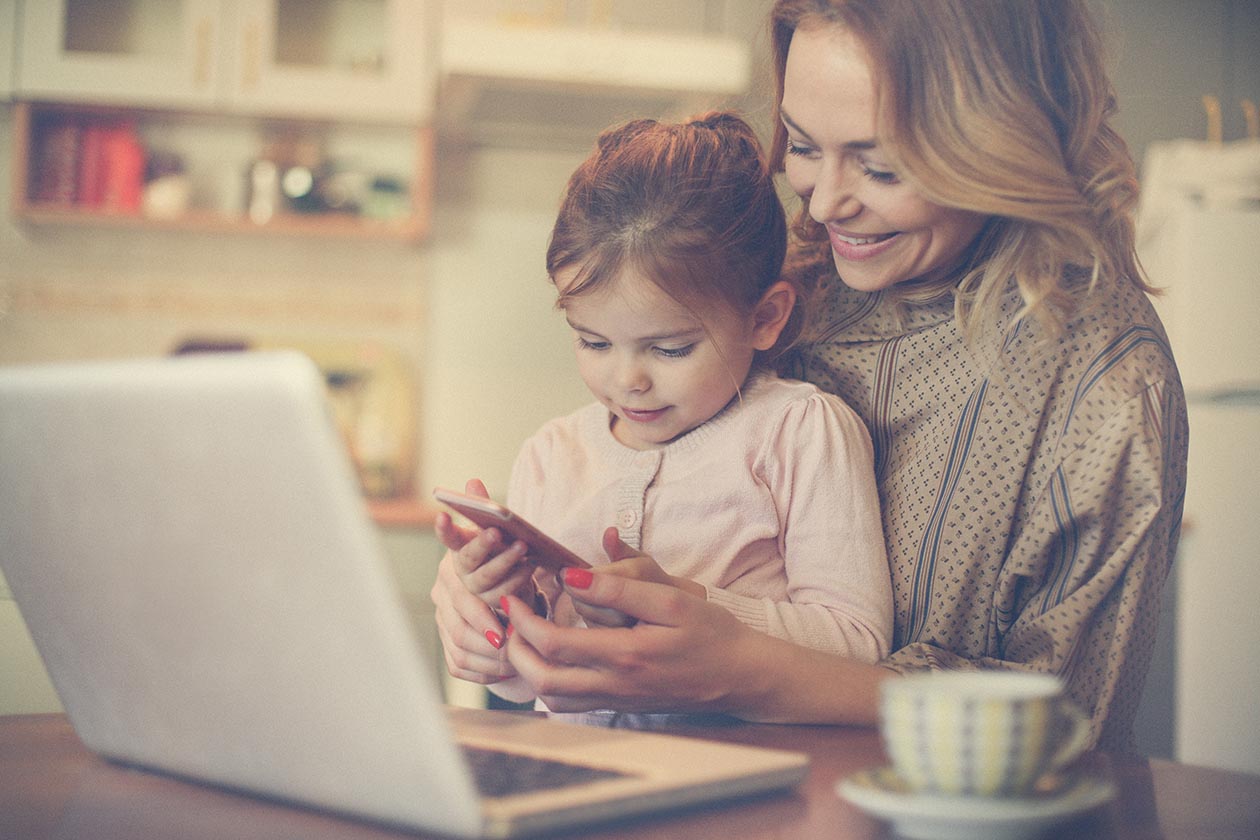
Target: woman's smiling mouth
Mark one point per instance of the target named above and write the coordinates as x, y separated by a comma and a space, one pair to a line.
854, 247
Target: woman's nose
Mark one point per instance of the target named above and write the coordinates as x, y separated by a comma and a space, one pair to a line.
832, 197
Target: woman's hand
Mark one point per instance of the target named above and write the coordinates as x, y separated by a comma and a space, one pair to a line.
624, 561
682, 653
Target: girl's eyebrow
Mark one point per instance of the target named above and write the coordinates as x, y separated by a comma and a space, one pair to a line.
689, 334
578, 328
852, 145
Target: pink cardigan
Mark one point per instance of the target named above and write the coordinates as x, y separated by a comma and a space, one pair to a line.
771, 505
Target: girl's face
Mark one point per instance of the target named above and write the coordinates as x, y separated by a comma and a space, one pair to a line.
882, 231
659, 369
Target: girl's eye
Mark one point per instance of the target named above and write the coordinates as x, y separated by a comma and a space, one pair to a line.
880, 176
591, 345
675, 352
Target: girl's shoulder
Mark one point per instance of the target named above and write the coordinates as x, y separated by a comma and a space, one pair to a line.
776, 401
775, 389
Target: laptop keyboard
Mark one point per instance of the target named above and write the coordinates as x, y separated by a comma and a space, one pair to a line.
504, 774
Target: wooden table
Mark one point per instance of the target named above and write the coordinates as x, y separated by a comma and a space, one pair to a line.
51, 787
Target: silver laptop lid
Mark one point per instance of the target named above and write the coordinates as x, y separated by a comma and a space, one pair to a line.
177, 534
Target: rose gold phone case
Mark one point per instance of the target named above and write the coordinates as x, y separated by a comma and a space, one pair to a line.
543, 550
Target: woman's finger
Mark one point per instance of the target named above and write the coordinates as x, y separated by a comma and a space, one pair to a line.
471, 634
669, 660
640, 600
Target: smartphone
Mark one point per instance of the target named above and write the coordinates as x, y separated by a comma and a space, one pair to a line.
542, 550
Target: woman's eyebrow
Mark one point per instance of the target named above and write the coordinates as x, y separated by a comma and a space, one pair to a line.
791, 123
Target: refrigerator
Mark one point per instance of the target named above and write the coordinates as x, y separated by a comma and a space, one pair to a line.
1206, 255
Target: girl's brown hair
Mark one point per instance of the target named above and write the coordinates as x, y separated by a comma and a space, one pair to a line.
1000, 107
691, 206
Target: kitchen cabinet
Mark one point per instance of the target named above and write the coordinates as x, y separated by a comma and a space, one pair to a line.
364, 60
8, 46
277, 116
542, 73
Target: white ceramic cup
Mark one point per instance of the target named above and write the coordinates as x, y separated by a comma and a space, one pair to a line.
979, 733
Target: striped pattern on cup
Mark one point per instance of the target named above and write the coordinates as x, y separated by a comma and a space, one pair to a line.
976, 733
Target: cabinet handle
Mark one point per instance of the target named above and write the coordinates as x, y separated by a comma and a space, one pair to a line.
205, 31
252, 70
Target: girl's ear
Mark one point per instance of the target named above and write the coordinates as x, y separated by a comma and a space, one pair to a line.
771, 314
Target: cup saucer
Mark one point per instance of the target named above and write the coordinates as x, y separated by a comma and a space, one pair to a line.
881, 793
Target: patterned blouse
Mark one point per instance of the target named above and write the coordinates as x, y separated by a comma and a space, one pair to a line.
1031, 492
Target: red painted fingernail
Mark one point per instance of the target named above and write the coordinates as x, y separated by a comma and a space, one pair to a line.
578, 578
495, 640
511, 629
503, 602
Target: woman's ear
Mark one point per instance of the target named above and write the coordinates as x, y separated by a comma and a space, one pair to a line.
771, 314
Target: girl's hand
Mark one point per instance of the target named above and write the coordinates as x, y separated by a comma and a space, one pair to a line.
470, 575
484, 566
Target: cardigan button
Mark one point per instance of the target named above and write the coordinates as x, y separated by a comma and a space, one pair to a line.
628, 518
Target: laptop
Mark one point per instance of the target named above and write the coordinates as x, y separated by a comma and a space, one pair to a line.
187, 542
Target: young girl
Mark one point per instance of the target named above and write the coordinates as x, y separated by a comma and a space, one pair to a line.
667, 256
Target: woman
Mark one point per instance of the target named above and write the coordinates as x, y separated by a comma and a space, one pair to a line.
966, 219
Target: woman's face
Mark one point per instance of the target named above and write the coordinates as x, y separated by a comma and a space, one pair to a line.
882, 231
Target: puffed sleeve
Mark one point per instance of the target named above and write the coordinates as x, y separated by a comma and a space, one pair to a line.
818, 462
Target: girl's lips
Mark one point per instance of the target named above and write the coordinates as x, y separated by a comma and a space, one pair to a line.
849, 246
641, 416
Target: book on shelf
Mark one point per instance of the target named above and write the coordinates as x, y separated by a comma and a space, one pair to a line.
89, 162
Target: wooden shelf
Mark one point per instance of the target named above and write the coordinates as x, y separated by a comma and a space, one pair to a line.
402, 512
340, 225
412, 227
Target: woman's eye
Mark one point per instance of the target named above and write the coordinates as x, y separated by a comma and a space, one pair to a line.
880, 176
799, 150
675, 352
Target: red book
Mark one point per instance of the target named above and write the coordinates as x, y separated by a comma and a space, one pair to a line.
124, 170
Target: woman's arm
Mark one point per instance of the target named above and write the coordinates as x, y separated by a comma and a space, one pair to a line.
1081, 581
684, 654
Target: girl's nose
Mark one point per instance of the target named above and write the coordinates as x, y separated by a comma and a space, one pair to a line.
632, 376
832, 197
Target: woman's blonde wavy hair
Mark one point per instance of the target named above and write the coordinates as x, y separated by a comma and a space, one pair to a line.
1000, 107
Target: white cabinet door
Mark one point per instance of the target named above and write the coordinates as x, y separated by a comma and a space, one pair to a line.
351, 59
8, 42
332, 59
134, 52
